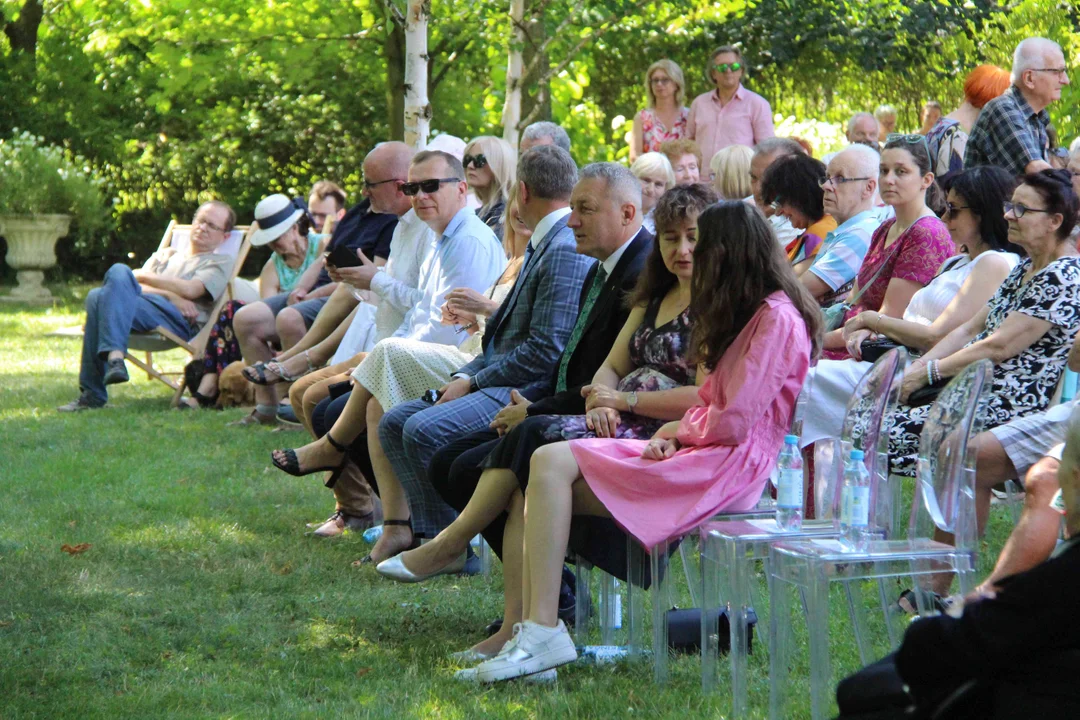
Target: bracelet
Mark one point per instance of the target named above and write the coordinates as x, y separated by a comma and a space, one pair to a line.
933, 375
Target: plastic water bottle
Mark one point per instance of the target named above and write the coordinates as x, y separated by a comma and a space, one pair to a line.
855, 503
789, 487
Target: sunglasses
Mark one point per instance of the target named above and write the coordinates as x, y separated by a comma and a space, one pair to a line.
899, 139
427, 186
951, 209
477, 161
1019, 210
724, 67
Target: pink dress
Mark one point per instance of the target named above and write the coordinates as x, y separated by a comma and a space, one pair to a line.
729, 443
916, 256
654, 132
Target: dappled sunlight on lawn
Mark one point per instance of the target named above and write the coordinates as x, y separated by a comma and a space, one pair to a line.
186, 535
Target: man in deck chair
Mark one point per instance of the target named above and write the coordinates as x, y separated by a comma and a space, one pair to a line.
175, 290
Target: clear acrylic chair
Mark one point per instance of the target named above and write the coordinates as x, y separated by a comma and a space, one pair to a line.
944, 499
732, 549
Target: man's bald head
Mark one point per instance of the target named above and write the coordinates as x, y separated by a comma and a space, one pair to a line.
391, 159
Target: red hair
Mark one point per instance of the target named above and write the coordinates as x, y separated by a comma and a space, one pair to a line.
985, 83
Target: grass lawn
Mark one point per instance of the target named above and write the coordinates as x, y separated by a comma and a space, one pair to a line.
200, 595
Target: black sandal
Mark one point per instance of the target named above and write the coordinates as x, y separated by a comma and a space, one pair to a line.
367, 559
930, 598
257, 374
291, 465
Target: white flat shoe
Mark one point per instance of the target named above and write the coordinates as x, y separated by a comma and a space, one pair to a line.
394, 568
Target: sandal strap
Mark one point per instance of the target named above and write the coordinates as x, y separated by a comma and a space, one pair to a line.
279, 369
310, 365
407, 522
337, 446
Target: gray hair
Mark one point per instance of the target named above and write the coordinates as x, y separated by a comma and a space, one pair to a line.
867, 162
545, 129
778, 146
856, 118
548, 172
622, 185
1029, 55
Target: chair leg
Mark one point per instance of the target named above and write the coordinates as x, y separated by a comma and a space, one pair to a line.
661, 601
149, 363
582, 600
610, 608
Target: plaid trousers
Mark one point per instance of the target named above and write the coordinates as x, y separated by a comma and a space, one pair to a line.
412, 432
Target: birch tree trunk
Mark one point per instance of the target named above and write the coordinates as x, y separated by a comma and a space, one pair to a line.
512, 107
417, 107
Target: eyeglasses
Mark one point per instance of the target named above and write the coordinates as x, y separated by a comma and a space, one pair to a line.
1019, 210
661, 81
427, 186
951, 209
207, 224
839, 180
369, 185
1056, 71
477, 161
724, 67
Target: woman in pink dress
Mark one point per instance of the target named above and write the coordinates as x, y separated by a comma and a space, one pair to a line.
664, 116
756, 329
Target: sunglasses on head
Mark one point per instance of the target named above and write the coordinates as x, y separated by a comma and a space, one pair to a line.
724, 67
902, 139
477, 161
427, 186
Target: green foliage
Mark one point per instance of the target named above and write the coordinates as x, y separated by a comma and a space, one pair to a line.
40, 179
175, 102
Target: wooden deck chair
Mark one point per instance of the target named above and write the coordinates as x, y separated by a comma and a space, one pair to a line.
160, 339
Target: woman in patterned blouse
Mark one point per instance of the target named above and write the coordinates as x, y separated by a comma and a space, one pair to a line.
664, 116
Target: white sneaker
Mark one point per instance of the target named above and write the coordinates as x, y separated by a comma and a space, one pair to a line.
533, 649
541, 678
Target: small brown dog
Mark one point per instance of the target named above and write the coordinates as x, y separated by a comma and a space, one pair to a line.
235, 390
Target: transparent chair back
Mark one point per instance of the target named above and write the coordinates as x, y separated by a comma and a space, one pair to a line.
873, 399
945, 470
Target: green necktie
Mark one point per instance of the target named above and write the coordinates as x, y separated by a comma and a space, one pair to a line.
579, 326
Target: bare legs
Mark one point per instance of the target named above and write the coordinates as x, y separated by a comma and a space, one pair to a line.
300, 361
255, 330
332, 315
395, 538
348, 427
492, 496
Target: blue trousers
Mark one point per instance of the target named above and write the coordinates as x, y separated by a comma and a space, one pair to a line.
412, 432
114, 311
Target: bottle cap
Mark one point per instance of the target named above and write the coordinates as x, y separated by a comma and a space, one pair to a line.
791, 439
857, 455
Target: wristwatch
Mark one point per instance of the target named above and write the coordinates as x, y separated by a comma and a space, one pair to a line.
473, 387
631, 400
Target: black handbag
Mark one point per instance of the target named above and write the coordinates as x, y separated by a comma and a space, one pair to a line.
928, 394
873, 349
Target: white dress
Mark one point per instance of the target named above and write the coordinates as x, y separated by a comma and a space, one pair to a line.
398, 369
834, 380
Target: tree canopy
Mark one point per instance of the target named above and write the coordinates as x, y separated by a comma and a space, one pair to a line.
175, 101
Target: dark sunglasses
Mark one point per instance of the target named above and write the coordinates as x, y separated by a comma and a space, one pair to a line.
477, 161
427, 186
724, 67
951, 209
1019, 210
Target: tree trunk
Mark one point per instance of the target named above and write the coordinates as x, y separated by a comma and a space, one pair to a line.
535, 105
515, 64
22, 34
394, 52
417, 108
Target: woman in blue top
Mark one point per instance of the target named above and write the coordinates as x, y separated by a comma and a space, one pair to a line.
297, 253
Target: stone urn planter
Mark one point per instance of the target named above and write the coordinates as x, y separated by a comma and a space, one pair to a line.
31, 250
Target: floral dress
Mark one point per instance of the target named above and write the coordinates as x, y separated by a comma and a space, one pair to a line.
1025, 383
659, 355
654, 133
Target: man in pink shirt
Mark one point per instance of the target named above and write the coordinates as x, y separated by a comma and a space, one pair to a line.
730, 114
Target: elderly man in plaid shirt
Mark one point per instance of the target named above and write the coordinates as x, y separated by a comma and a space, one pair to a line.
1011, 129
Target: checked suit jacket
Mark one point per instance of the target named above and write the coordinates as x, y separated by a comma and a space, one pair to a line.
602, 327
525, 337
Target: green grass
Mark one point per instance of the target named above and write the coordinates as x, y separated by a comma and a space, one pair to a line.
202, 597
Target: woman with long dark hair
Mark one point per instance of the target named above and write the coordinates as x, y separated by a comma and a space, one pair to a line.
756, 330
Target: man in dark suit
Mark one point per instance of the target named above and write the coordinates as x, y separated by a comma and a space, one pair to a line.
1014, 651
522, 340
606, 220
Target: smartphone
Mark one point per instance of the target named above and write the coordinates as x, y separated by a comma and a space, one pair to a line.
431, 396
342, 257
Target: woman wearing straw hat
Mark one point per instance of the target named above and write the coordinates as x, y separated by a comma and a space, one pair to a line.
285, 226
